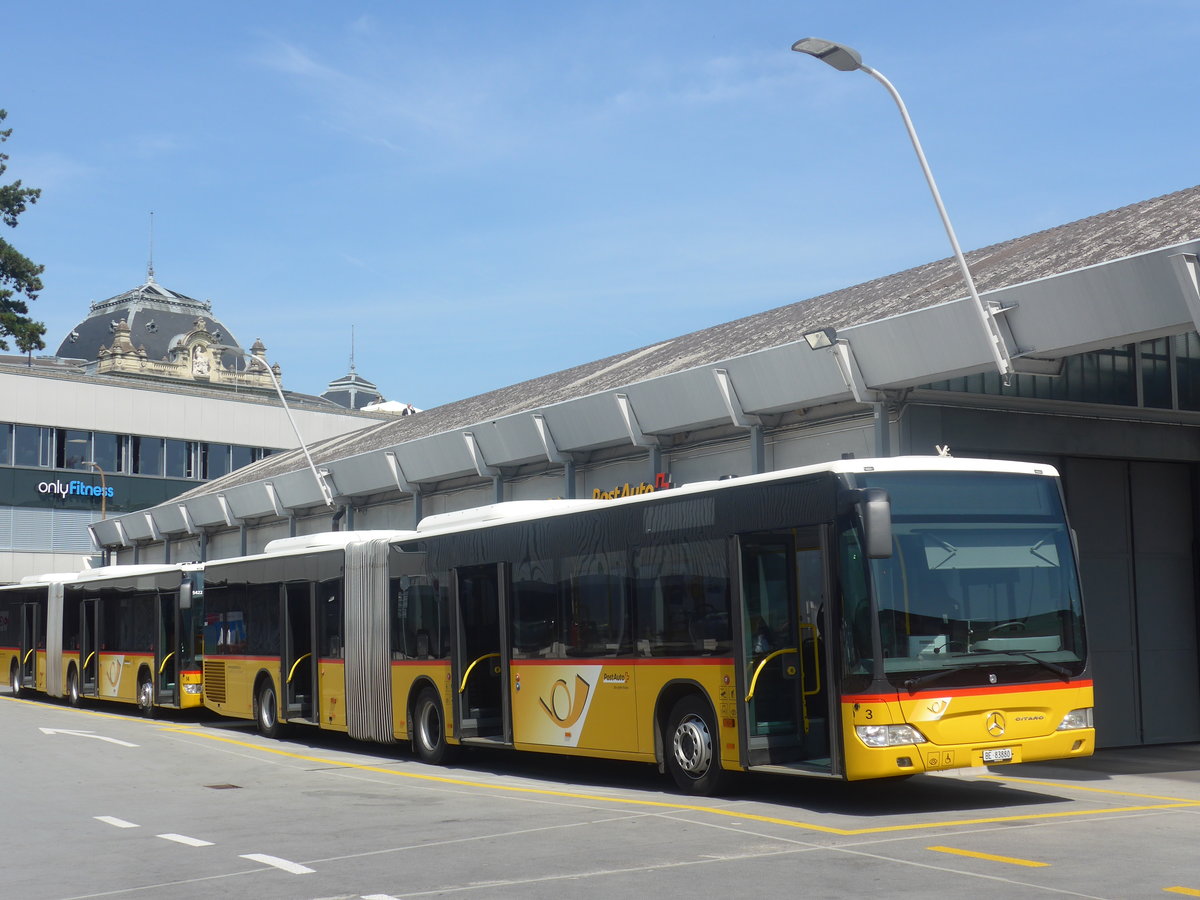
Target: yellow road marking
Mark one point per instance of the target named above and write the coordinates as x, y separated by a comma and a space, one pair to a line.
1167, 804
1004, 859
658, 804
1188, 892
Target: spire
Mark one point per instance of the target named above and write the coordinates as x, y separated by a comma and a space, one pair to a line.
150, 263
352, 349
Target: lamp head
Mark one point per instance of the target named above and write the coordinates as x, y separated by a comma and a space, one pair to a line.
841, 57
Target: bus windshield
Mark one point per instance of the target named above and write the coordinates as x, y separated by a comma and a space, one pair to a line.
982, 580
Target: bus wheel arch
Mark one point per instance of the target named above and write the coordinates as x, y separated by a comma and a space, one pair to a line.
688, 740
145, 693
427, 725
266, 705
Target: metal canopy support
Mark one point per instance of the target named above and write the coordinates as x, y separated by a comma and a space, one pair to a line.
852, 375
741, 419
189, 524
1187, 271
554, 455
273, 498
883, 429
154, 532
637, 437
404, 486
226, 511
121, 533
481, 466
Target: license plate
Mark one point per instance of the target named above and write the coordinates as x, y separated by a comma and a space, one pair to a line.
1000, 754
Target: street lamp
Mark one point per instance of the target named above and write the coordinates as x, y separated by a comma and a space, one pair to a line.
318, 474
103, 488
93, 464
847, 59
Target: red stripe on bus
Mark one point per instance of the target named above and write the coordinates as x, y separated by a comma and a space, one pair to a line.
968, 692
626, 661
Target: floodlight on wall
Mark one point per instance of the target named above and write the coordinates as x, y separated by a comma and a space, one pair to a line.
821, 338
847, 59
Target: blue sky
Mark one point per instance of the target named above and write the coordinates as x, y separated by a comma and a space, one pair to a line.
490, 192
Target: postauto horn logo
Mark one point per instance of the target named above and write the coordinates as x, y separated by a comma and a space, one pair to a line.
74, 489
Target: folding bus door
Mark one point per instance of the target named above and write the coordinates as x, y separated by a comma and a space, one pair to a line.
298, 667
481, 702
169, 649
782, 674
89, 648
31, 631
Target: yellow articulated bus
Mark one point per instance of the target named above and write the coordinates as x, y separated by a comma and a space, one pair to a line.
859, 619
121, 633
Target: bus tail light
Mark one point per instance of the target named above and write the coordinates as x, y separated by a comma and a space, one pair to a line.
889, 735
1077, 718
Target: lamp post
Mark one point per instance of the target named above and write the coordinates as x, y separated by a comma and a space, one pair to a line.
318, 474
103, 488
847, 59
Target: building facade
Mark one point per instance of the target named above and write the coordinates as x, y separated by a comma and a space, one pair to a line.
1100, 318
162, 399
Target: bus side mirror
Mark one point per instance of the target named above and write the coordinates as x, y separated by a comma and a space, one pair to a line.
877, 523
185, 595
876, 510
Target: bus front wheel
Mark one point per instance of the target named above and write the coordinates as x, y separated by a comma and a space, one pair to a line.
145, 695
692, 749
14, 680
429, 728
267, 710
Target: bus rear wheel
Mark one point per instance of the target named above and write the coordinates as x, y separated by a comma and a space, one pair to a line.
692, 748
266, 709
429, 728
73, 698
14, 680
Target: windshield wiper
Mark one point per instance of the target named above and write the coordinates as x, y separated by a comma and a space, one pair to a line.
1061, 671
912, 685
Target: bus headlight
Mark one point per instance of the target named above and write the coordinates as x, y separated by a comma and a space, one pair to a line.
889, 735
191, 688
1077, 718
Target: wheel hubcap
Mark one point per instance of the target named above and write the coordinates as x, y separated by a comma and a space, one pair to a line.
693, 746
429, 727
268, 709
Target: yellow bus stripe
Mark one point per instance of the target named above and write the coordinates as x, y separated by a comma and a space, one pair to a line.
656, 804
975, 855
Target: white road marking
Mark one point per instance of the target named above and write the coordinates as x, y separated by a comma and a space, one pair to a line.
90, 734
184, 839
113, 820
379, 897
286, 864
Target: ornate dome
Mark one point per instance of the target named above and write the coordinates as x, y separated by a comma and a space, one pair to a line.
156, 318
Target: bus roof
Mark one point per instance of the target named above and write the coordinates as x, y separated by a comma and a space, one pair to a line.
525, 510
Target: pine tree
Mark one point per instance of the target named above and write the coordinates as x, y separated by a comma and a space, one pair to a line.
18, 274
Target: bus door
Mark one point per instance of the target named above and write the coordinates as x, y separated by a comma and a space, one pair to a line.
782, 676
169, 650
31, 629
89, 648
481, 701
298, 669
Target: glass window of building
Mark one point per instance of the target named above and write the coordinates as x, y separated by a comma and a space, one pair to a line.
72, 448
178, 459
6, 432
242, 456
214, 459
147, 455
106, 451
32, 446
